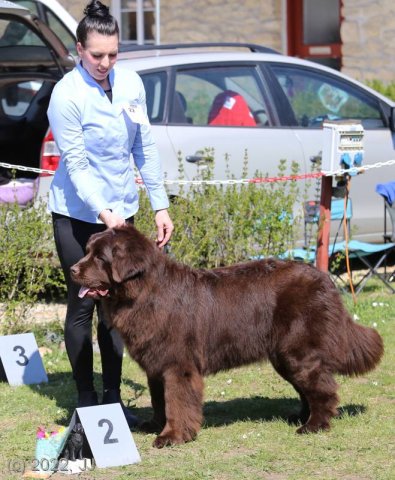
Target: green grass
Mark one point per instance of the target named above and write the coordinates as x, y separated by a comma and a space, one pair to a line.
245, 434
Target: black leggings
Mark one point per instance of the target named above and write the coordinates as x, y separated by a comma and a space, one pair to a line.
71, 237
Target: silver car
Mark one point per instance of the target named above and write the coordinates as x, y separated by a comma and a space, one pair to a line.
264, 106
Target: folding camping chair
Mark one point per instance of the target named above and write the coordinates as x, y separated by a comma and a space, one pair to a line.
390, 209
311, 211
387, 191
371, 255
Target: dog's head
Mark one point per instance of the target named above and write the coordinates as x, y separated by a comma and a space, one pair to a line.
113, 257
78, 428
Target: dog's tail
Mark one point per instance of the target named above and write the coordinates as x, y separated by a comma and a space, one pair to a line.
364, 351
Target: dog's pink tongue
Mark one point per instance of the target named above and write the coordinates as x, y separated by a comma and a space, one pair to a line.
84, 290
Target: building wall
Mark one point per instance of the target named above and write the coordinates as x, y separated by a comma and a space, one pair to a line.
254, 21
368, 33
231, 21
76, 7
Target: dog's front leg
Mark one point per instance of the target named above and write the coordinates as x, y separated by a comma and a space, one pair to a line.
158, 421
183, 393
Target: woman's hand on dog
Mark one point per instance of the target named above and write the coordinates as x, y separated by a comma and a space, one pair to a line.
111, 219
163, 222
165, 227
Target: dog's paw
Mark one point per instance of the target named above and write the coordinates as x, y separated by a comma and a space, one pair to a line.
166, 441
173, 438
309, 428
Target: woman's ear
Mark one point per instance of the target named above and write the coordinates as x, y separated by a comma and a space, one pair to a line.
80, 49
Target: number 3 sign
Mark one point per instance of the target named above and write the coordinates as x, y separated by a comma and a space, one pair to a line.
108, 435
21, 359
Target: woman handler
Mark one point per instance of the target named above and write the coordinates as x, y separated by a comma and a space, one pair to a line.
97, 114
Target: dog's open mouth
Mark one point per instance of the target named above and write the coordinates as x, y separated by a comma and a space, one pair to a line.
92, 291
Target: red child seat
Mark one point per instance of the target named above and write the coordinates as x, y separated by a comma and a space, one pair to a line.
230, 108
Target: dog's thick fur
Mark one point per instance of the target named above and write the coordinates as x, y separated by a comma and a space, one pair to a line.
180, 324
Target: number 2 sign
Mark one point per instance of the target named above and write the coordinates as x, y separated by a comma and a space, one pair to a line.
21, 359
108, 435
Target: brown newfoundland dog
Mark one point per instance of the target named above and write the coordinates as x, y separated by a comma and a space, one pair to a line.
180, 323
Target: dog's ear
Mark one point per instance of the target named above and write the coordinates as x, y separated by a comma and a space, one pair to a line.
126, 264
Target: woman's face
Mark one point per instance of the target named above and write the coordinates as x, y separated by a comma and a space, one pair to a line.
99, 54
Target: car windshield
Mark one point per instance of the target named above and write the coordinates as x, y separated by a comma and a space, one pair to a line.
67, 38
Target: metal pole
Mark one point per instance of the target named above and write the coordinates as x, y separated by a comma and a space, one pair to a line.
140, 22
324, 225
157, 22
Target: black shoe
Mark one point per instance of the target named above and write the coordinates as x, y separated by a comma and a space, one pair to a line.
114, 396
87, 399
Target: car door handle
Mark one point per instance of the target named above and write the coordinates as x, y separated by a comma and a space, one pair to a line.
316, 159
195, 158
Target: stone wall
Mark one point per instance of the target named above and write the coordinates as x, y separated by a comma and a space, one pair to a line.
253, 21
76, 7
231, 21
368, 36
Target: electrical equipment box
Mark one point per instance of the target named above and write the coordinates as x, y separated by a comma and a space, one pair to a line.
342, 146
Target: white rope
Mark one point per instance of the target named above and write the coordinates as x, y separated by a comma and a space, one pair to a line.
338, 172
361, 169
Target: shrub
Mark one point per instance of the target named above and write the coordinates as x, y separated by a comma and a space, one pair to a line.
385, 89
218, 225
28, 263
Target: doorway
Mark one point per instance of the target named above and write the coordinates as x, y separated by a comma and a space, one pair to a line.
314, 31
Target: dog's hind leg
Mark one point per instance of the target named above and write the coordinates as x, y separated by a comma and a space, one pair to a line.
183, 389
317, 390
158, 421
320, 393
304, 412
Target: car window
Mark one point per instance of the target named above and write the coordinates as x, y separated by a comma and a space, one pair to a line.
61, 31
54, 23
218, 96
29, 4
14, 33
315, 97
15, 98
155, 91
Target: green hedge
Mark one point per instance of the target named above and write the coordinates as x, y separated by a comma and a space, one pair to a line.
218, 225
387, 89
29, 268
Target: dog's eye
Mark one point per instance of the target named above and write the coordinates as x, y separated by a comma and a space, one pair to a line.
101, 259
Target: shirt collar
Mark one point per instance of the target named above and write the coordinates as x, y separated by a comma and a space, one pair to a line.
90, 80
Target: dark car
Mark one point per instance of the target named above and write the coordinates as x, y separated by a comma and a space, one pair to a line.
32, 60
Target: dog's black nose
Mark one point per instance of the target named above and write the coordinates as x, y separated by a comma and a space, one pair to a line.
74, 269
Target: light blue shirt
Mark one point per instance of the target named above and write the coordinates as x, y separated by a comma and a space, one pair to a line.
95, 138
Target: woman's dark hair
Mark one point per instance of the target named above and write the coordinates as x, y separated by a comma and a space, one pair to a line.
97, 19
